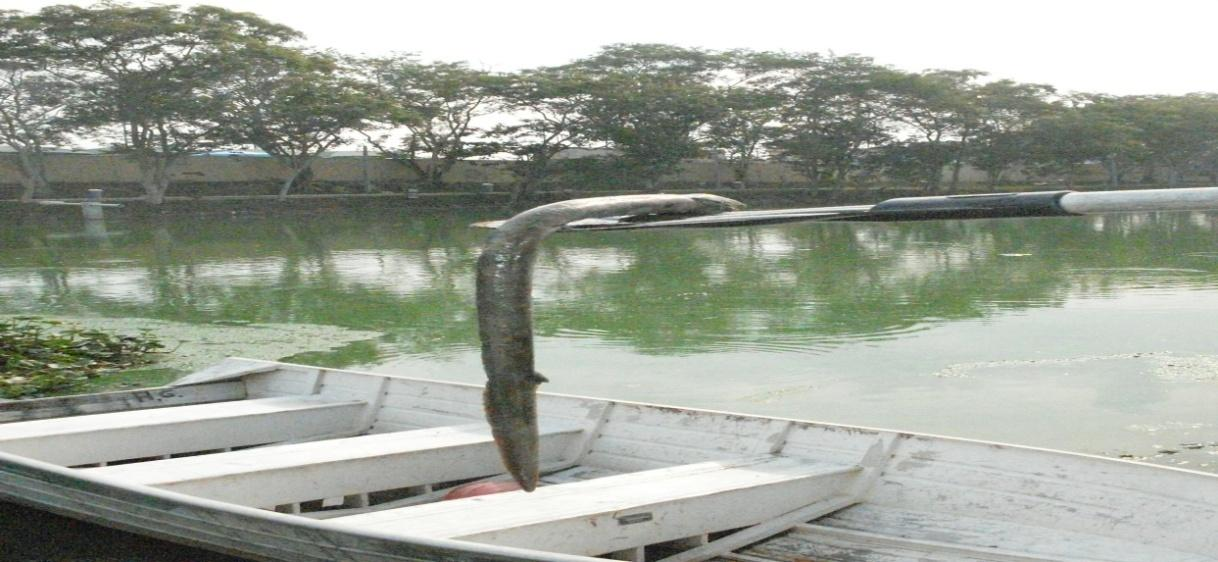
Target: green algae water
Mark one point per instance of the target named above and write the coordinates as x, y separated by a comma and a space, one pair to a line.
1097, 335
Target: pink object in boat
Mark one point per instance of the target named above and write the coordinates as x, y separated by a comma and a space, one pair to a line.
481, 489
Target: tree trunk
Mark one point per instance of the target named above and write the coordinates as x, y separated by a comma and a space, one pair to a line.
995, 176
32, 186
934, 181
1149, 173
812, 173
154, 177
303, 172
956, 175
285, 187
534, 172
1114, 176
842, 174
33, 174
1173, 176
740, 170
367, 177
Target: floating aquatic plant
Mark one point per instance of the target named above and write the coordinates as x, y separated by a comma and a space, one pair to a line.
39, 356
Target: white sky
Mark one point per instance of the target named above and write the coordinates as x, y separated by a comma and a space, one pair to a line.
1116, 46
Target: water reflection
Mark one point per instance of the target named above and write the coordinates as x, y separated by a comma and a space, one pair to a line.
798, 288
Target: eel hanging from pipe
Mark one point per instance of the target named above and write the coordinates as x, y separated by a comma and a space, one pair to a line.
505, 315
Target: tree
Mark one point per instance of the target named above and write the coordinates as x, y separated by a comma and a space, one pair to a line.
834, 110
1002, 112
546, 104
154, 75
34, 99
1178, 132
437, 105
650, 99
750, 102
938, 107
294, 106
1065, 139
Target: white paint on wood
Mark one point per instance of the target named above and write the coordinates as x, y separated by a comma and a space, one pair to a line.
119, 401
831, 443
269, 476
637, 554
427, 404
943, 543
637, 437
763, 530
229, 369
872, 465
625, 511
1066, 493
428, 494
288, 380
127, 435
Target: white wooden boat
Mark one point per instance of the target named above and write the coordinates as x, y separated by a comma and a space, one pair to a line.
274, 461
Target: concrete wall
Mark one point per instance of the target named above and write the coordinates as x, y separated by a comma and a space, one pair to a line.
236, 174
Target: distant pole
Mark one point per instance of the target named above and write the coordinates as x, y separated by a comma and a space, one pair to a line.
92, 208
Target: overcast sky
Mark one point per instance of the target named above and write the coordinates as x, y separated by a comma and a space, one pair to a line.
1159, 47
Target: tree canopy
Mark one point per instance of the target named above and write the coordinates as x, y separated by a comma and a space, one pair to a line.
160, 82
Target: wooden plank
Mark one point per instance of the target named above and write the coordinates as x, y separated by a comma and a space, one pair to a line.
641, 437
288, 380
872, 466
763, 530
906, 531
127, 435
410, 403
830, 540
142, 399
429, 495
1050, 490
625, 511
269, 476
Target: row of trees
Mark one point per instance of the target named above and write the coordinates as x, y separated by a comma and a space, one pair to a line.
161, 82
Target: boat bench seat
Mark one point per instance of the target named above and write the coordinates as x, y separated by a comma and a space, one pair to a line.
99, 438
293, 473
626, 511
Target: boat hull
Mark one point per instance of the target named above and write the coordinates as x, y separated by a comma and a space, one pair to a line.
890, 495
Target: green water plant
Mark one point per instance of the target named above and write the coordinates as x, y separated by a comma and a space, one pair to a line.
39, 356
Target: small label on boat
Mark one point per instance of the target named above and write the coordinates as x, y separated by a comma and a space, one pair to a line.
634, 518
